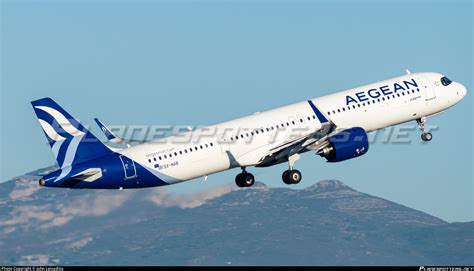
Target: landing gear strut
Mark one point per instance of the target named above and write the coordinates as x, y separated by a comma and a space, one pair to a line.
291, 176
244, 179
425, 136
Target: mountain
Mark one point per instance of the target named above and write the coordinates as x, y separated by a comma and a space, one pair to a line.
328, 223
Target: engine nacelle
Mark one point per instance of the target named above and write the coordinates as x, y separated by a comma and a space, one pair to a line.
347, 144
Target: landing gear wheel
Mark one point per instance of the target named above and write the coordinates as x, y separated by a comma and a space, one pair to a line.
249, 179
244, 179
426, 136
284, 176
239, 180
294, 176
291, 176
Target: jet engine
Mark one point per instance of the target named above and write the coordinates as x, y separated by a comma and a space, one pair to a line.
346, 144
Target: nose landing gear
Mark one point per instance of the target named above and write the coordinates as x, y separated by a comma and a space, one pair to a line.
425, 136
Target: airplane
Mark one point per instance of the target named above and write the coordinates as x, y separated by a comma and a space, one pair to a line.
333, 126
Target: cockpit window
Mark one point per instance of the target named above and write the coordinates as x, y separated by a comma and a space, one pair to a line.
445, 81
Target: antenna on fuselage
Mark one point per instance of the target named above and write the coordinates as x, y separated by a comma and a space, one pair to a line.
408, 72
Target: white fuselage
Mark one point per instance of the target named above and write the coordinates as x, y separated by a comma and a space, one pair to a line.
215, 148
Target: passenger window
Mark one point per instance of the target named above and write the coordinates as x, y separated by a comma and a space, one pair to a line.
212, 144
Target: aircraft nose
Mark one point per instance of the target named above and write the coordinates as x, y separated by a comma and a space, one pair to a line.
461, 91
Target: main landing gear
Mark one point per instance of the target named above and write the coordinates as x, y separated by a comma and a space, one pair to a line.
244, 179
425, 136
291, 176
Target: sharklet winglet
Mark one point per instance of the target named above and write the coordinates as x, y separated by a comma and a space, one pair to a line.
318, 113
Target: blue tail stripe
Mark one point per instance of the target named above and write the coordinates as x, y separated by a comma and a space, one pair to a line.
52, 104
54, 124
78, 145
62, 151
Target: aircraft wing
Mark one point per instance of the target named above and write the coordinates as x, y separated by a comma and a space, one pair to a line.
310, 141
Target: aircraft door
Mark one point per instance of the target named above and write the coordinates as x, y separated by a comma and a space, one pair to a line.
427, 88
223, 143
292, 121
301, 121
128, 167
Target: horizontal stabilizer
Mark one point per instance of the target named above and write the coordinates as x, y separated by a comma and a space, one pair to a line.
88, 175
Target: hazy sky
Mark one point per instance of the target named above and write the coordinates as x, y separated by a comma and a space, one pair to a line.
198, 63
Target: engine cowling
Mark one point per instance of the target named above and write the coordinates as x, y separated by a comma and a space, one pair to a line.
346, 144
